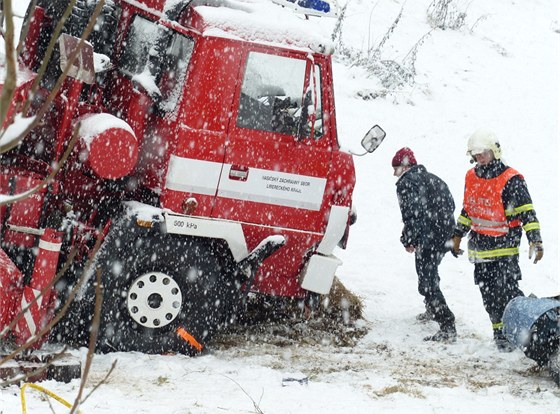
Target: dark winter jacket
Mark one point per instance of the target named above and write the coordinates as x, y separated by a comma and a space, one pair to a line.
515, 195
427, 209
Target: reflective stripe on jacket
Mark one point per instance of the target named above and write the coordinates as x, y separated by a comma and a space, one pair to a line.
483, 204
477, 256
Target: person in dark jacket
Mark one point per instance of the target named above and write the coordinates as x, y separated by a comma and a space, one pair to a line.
496, 208
427, 209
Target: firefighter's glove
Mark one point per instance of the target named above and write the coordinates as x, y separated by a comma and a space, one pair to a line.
536, 249
456, 246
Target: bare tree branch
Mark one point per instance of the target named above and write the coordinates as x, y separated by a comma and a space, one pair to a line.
34, 373
53, 173
257, 408
62, 271
71, 59
48, 54
25, 28
11, 74
63, 310
92, 341
103, 381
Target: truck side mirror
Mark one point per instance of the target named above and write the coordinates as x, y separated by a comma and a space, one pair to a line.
373, 138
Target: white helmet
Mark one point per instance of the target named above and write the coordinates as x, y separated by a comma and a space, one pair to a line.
484, 139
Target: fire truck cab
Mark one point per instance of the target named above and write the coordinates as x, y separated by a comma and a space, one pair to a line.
207, 164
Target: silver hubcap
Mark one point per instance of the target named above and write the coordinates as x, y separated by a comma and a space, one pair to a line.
154, 300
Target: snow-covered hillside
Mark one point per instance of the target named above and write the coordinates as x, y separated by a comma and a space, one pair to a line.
500, 70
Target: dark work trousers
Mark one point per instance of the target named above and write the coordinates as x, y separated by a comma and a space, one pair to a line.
427, 261
498, 284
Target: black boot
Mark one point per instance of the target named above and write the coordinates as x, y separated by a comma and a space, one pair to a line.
445, 334
425, 316
501, 341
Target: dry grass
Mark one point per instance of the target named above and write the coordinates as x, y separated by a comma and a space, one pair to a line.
397, 389
341, 304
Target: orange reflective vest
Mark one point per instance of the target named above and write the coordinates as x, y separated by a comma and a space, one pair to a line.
483, 203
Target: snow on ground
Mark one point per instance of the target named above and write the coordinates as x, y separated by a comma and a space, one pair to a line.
500, 71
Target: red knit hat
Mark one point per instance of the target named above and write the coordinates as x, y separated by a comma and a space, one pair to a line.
404, 157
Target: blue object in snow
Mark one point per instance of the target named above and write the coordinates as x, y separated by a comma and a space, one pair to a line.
533, 324
521, 314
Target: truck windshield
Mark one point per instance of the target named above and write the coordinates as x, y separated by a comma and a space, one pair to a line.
272, 92
158, 59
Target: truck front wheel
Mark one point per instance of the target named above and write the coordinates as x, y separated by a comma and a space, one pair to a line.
154, 300
170, 295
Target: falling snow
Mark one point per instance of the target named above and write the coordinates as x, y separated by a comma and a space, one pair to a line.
500, 70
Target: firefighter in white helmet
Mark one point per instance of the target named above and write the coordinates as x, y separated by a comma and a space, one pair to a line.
497, 208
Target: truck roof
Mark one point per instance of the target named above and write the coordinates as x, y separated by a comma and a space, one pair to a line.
257, 21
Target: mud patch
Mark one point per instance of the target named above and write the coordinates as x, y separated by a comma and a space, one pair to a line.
334, 319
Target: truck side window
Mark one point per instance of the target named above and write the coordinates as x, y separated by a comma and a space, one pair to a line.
158, 59
272, 93
139, 40
178, 56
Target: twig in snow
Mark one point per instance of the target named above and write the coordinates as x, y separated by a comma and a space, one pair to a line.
257, 408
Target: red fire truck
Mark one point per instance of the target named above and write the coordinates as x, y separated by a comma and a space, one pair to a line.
206, 167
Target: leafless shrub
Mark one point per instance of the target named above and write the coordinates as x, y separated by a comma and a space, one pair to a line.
60, 314
445, 14
9, 85
70, 61
336, 34
376, 52
480, 19
392, 74
409, 60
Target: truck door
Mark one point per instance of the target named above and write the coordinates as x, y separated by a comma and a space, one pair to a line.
276, 162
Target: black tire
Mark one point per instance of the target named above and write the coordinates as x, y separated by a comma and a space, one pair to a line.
78, 19
156, 283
